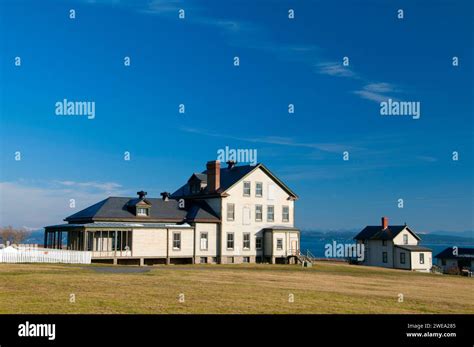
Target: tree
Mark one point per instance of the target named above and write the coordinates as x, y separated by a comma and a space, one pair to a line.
12, 235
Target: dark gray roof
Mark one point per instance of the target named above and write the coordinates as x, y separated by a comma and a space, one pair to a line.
111, 225
375, 232
228, 177
414, 248
118, 208
463, 253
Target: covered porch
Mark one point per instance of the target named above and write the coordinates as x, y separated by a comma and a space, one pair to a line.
102, 241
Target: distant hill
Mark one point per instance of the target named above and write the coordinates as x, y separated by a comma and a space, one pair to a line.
441, 237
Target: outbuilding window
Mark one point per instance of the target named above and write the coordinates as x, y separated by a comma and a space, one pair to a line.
422, 258
402, 258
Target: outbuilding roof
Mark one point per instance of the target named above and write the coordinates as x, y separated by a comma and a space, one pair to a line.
462, 253
376, 232
414, 248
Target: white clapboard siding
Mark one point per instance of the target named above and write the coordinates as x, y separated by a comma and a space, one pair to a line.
45, 256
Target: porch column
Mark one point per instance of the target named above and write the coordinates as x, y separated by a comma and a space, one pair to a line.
84, 243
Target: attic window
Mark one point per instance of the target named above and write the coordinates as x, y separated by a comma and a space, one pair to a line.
142, 211
195, 188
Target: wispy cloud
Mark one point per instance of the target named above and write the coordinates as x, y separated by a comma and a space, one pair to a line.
104, 186
249, 35
330, 147
377, 92
335, 69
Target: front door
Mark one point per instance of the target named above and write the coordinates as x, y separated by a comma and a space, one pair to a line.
294, 247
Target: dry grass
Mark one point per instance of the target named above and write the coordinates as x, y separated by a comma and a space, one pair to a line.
325, 288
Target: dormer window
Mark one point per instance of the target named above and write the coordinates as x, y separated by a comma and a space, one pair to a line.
141, 206
142, 211
195, 188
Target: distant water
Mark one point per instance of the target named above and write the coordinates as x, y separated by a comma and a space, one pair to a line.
316, 244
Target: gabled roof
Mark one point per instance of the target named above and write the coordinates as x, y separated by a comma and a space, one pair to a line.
463, 253
375, 232
228, 178
117, 209
199, 176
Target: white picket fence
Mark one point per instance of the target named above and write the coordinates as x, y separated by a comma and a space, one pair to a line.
44, 255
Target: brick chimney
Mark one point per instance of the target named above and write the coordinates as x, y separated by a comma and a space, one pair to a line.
213, 175
384, 223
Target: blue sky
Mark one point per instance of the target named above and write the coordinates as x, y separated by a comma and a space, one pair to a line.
282, 61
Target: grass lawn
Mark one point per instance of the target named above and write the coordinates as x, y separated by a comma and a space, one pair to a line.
324, 288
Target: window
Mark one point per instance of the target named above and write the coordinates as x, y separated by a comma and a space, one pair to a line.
246, 240
246, 260
270, 213
214, 260
203, 260
230, 260
258, 213
142, 211
259, 189
405, 239
422, 258
384, 242
402, 258
279, 244
230, 212
204, 241
286, 214
258, 243
384, 257
246, 188
177, 241
230, 240
195, 188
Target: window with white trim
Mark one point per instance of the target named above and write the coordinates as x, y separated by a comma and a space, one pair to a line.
270, 213
279, 244
204, 241
246, 188
258, 213
230, 240
246, 239
177, 241
142, 211
259, 189
285, 214
230, 212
